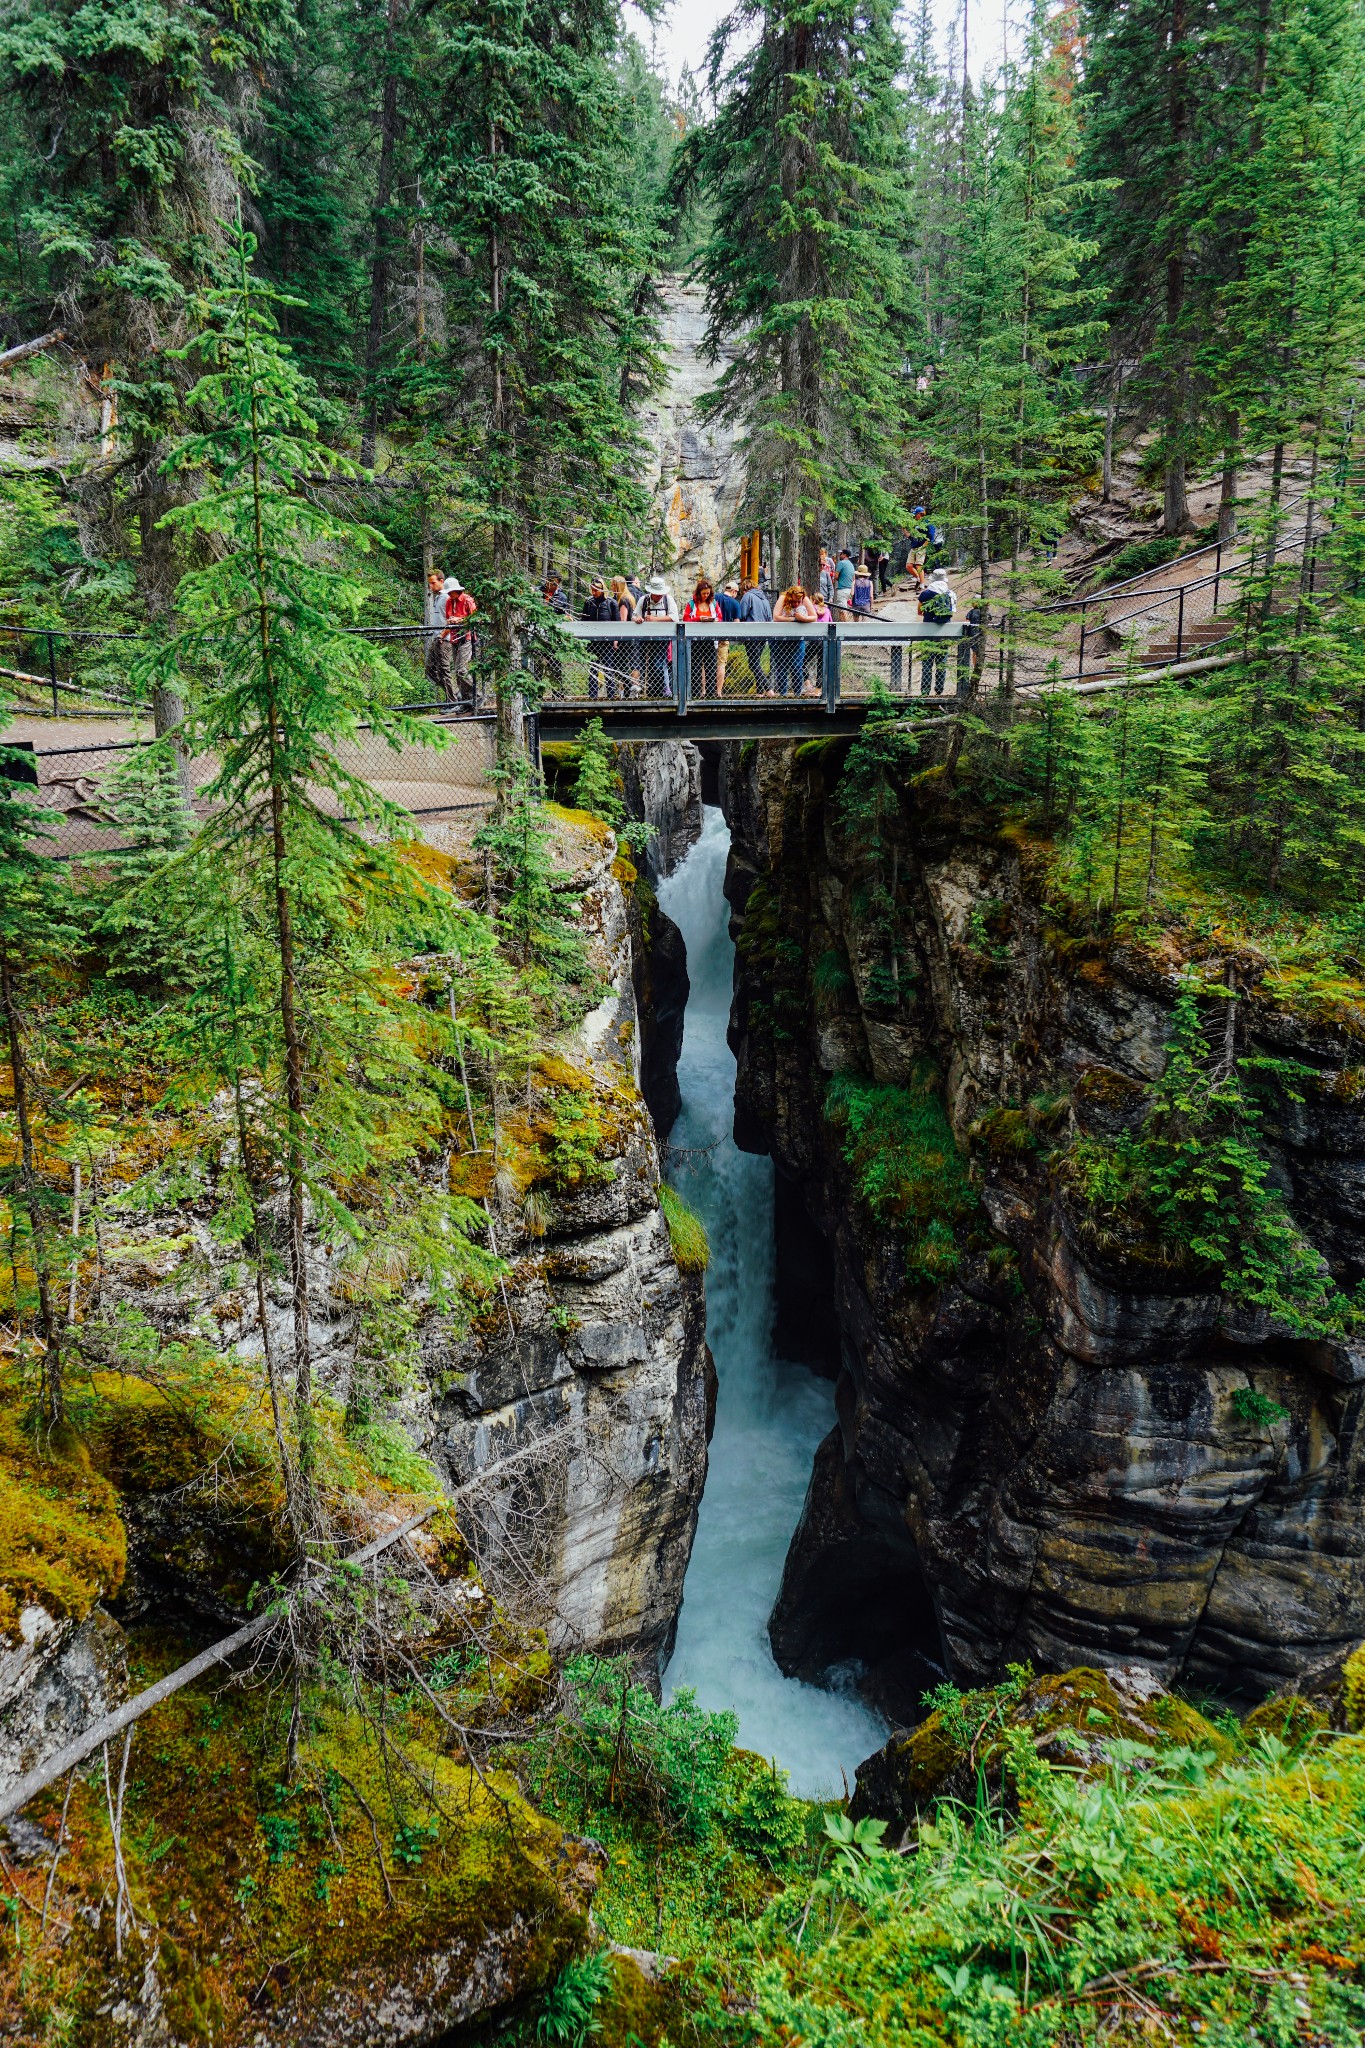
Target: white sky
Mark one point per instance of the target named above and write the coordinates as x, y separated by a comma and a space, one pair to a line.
682, 36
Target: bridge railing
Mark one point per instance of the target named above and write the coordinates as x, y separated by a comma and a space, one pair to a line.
676, 666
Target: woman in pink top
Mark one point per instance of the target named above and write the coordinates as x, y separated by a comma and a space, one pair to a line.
703, 610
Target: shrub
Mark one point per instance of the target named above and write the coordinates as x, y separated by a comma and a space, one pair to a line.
906, 1165
616, 1746
568, 2013
1140, 556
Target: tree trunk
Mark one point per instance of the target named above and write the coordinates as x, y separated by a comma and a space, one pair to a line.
1176, 508
1227, 495
53, 1400
379, 269
158, 575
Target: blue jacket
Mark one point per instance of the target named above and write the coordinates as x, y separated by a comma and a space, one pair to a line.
754, 608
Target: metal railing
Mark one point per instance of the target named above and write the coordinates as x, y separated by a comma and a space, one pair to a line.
1095, 636
677, 667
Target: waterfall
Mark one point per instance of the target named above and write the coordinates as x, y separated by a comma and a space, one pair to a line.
770, 1415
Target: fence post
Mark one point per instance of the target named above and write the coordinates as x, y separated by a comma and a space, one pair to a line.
1180, 624
1080, 666
683, 664
1217, 576
834, 657
52, 668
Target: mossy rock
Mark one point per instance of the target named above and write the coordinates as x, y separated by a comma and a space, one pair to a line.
275, 1921
1289, 1718
1353, 1690
1003, 1134
63, 1545
1072, 1717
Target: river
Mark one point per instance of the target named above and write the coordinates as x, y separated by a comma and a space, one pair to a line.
770, 1414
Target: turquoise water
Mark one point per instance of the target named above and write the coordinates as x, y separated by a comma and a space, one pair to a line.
770, 1415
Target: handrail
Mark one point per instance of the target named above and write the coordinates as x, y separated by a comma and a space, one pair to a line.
1069, 604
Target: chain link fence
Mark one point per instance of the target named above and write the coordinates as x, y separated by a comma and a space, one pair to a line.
94, 787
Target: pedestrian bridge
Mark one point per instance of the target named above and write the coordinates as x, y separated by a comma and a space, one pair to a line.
658, 680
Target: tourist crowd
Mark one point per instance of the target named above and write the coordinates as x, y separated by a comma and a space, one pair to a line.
642, 665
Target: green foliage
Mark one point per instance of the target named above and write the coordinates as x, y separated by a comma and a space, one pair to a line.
804, 165
905, 1165
536, 917
618, 1748
568, 2012
597, 786
1197, 1169
686, 1231
1140, 556
1254, 1406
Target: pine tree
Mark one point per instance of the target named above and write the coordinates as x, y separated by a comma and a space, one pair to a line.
803, 168
266, 624
1007, 418
35, 926
525, 169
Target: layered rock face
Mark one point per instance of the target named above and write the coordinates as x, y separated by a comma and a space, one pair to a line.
694, 470
1043, 1455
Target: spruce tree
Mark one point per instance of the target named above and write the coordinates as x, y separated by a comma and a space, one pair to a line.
803, 168
281, 682
525, 168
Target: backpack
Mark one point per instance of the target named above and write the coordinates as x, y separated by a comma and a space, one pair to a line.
936, 607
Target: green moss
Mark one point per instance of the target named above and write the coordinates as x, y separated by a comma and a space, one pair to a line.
62, 1540
1290, 1720
268, 1895
906, 1165
1004, 1134
686, 1231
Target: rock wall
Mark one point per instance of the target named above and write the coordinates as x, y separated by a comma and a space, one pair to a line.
1042, 1456
694, 470
571, 1421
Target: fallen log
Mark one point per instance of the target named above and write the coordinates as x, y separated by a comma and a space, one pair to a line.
22, 350
99, 1732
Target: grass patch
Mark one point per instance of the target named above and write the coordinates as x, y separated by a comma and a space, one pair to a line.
686, 1231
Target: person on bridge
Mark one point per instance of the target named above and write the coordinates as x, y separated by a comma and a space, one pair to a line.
703, 611
627, 651
728, 605
845, 576
789, 656
658, 605
937, 607
460, 608
598, 609
755, 610
437, 660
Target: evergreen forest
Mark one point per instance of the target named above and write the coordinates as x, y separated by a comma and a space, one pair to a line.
355, 1388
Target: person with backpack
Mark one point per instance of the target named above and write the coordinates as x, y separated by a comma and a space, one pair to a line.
727, 604
937, 607
919, 532
755, 610
598, 609
437, 648
658, 605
